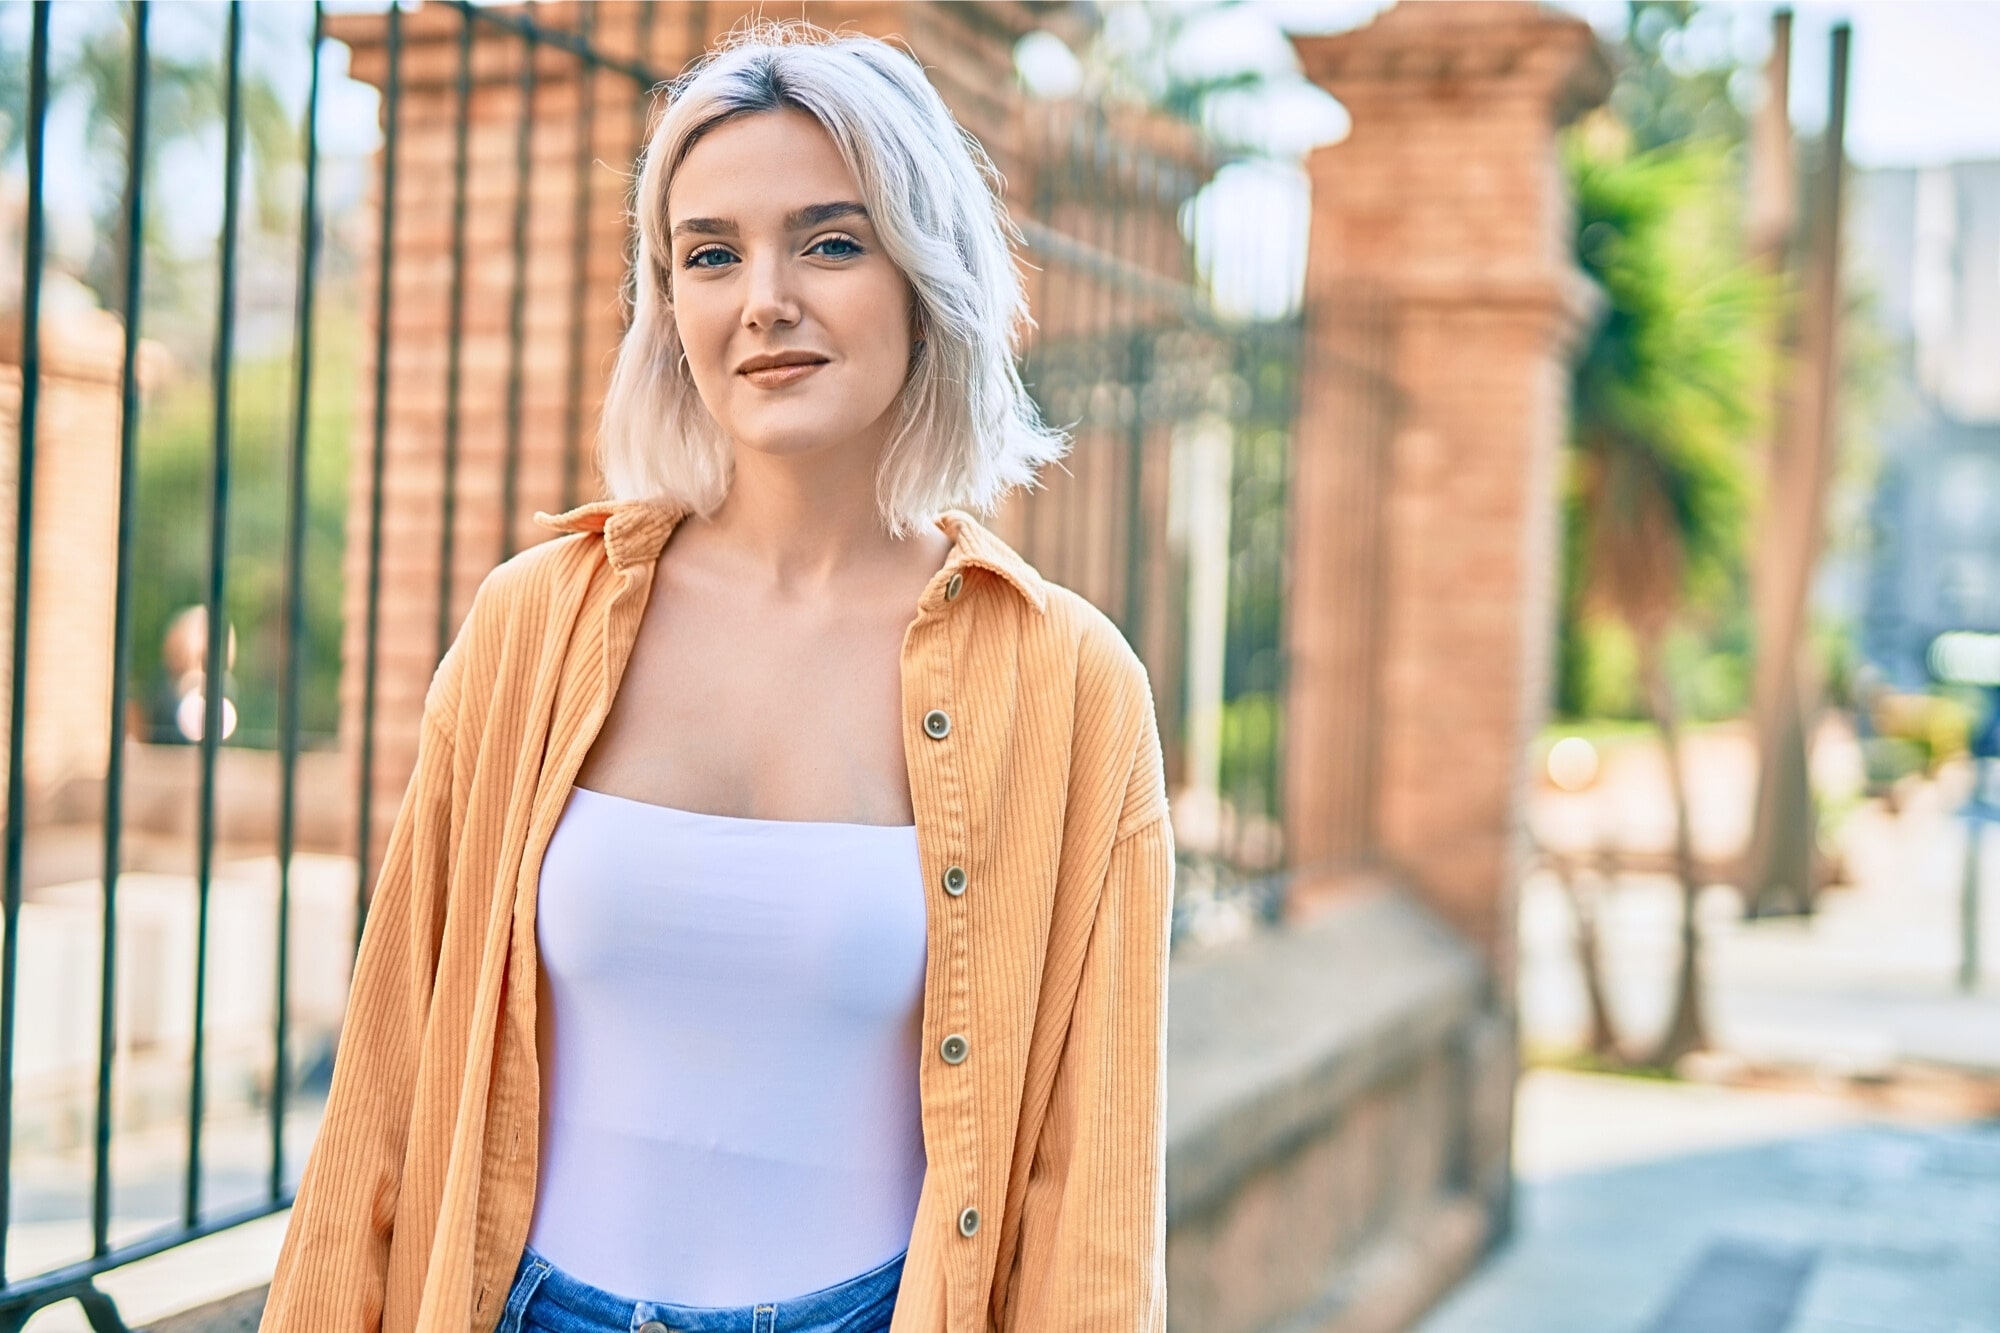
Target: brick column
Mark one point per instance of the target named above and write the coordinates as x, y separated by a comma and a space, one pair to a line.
1440, 258
73, 585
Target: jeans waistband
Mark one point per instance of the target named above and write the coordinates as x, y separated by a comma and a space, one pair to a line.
861, 1304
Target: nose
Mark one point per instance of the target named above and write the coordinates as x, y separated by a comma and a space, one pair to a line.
768, 299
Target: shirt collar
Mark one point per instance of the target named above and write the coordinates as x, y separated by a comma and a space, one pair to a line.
972, 543
635, 531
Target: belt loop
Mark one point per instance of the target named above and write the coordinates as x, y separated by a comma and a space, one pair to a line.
764, 1319
527, 1282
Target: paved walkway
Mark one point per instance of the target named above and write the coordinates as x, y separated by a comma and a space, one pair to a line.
1654, 1207
1647, 1206
1867, 983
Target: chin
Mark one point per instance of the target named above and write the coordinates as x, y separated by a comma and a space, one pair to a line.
802, 429
783, 441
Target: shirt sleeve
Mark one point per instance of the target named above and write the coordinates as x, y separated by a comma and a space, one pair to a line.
1092, 1255
331, 1273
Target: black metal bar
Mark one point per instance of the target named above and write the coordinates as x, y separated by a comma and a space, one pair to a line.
642, 40
576, 43
24, 514
524, 157
642, 55
579, 270
392, 97
291, 668
22, 1298
121, 634
215, 666
455, 334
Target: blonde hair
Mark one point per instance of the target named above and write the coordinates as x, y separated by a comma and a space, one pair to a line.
966, 431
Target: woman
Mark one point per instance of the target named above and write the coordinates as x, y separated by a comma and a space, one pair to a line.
774, 934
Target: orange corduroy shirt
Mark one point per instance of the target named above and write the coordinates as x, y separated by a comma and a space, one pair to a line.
1042, 803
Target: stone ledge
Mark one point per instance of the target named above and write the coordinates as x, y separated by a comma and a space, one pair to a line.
1270, 1038
1401, 1274
1282, 1049
232, 1314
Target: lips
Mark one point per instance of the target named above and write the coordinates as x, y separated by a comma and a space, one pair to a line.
780, 369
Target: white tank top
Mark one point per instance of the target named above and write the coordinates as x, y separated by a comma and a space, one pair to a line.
730, 1051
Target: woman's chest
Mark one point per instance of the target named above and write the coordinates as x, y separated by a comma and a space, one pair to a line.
759, 712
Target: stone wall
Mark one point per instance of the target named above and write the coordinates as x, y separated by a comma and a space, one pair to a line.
1337, 1150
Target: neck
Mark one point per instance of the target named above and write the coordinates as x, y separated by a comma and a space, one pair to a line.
800, 523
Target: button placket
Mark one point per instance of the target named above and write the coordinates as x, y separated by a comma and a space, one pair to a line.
955, 1048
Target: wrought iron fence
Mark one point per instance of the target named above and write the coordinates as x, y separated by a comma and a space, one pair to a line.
420, 324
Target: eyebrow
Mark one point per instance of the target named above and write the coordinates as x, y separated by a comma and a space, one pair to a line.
812, 215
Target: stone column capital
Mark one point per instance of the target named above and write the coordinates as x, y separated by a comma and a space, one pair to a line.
1452, 51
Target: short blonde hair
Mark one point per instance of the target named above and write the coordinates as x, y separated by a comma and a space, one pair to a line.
967, 432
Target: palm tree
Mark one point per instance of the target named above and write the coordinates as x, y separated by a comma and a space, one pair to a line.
1664, 401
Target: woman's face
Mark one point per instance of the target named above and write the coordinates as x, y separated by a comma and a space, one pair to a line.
796, 325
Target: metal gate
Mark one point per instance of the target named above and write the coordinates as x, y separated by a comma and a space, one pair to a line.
186, 864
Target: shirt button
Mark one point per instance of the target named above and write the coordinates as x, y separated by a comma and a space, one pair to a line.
954, 881
968, 1222
953, 586
954, 1049
937, 725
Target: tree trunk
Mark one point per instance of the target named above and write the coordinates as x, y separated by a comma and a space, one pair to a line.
1780, 867
1604, 1041
1686, 1030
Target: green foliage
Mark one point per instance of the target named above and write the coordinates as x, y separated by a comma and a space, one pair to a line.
1664, 395
92, 71
1607, 665
13, 96
170, 555
1668, 391
1250, 725
1674, 85
184, 104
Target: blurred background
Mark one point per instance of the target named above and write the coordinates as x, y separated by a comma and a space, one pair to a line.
1547, 457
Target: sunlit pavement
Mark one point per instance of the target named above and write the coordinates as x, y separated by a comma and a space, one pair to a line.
1649, 1206
1867, 983
1655, 1207
52, 1208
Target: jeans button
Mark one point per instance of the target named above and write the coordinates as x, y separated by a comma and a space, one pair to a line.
654, 1326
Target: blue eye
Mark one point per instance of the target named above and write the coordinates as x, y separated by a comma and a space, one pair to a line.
853, 246
695, 259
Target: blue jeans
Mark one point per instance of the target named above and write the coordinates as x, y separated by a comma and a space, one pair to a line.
544, 1299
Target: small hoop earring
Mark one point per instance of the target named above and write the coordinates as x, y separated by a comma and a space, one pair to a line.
685, 372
